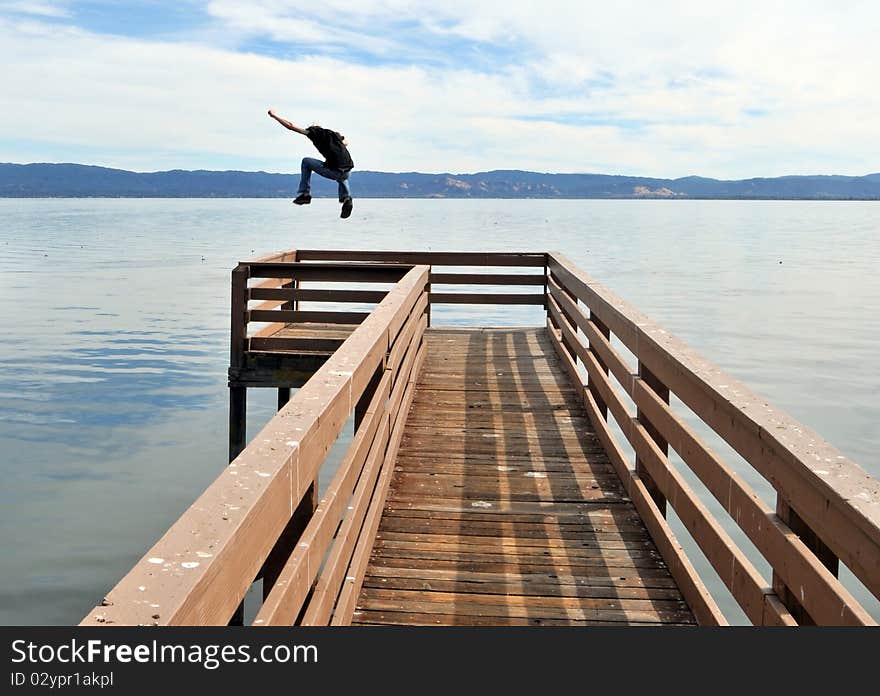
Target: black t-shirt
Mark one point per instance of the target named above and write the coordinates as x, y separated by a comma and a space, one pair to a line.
329, 144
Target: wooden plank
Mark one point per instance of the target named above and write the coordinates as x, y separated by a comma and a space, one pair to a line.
288, 316
549, 607
487, 298
514, 544
275, 256
600, 579
487, 279
314, 330
563, 474
295, 345
540, 491
270, 283
316, 295
507, 533
398, 618
268, 305
499, 563
331, 272
508, 587
595, 515
435, 258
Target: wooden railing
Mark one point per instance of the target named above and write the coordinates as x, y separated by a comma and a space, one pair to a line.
828, 509
524, 283
261, 518
258, 518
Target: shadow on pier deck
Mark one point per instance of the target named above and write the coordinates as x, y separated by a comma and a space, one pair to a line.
484, 482
504, 507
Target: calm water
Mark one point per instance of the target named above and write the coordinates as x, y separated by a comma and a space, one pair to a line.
113, 397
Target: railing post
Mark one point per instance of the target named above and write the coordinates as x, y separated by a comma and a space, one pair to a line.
237, 346
238, 306
292, 304
428, 291
606, 332
811, 540
652, 382
238, 394
547, 284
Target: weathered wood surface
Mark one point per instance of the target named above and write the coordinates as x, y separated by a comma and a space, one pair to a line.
199, 571
504, 508
836, 499
301, 338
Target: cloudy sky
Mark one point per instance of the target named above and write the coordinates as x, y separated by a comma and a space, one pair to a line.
730, 90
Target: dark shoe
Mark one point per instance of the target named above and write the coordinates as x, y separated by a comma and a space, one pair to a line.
303, 199
347, 205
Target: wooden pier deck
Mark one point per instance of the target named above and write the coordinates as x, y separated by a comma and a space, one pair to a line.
497, 476
504, 508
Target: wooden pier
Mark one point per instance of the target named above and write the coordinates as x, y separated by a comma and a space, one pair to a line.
485, 483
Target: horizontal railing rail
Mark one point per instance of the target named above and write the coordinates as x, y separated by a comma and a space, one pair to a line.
257, 519
276, 284
827, 507
457, 280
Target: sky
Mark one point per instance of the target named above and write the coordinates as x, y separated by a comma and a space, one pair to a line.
679, 88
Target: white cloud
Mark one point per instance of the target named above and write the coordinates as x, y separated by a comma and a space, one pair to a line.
36, 7
664, 90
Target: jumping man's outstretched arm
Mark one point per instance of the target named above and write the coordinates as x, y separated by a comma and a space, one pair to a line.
287, 124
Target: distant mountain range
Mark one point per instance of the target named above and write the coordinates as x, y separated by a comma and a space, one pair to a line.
76, 180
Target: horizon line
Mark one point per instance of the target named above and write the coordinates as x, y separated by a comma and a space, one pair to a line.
446, 173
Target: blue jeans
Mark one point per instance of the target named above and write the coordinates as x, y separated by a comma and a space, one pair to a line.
310, 164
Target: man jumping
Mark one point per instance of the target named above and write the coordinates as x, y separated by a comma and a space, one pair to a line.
337, 162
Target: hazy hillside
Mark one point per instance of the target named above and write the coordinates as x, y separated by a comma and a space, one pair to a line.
75, 180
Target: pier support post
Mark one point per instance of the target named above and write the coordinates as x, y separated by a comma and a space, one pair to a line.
237, 348
283, 396
237, 443
811, 540
237, 421
651, 380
